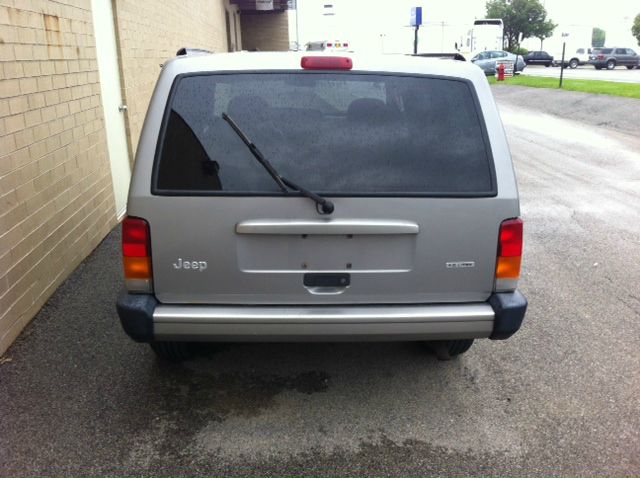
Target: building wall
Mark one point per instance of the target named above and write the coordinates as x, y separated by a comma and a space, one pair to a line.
265, 32
56, 196
148, 33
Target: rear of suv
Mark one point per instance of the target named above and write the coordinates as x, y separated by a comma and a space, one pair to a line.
289, 196
609, 58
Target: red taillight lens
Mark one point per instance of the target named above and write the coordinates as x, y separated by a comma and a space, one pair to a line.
135, 237
509, 252
326, 63
600, 57
346, 45
511, 238
329, 45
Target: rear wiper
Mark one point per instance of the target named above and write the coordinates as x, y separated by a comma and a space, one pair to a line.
323, 206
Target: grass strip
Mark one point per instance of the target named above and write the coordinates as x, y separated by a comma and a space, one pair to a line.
613, 88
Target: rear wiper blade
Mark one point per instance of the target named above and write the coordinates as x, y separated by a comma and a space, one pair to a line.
323, 206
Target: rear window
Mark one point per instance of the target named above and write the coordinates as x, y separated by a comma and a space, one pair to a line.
336, 134
606, 51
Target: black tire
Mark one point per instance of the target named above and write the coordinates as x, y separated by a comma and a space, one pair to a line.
611, 64
630, 67
172, 351
548, 65
598, 68
573, 64
448, 349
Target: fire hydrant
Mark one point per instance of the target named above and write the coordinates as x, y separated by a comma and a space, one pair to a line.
501, 72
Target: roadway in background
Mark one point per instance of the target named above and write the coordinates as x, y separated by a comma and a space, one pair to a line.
586, 72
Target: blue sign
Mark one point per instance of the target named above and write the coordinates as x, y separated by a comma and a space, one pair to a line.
416, 16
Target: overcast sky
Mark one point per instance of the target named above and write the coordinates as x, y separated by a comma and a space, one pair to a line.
362, 22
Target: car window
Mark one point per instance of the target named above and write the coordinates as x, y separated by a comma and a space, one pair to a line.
580, 51
630, 51
347, 134
621, 51
606, 51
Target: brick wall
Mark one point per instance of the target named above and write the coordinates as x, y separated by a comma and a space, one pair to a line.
56, 196
265, 32
148, 36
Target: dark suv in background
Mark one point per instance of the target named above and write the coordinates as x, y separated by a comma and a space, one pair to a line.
609, 58
538, 58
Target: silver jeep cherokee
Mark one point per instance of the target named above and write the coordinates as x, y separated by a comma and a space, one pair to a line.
297, 196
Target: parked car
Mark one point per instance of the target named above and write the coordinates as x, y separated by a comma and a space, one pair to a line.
487, 61
609, 58
297, 196
573, 60
538, 58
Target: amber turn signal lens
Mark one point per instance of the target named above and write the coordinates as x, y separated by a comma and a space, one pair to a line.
508, 267
137, 267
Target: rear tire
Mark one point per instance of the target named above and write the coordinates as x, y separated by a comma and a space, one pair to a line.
448, 349
172, 351
573, 64
630, 67
611, 64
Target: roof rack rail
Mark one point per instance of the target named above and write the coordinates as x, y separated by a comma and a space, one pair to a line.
192, 51
444, 56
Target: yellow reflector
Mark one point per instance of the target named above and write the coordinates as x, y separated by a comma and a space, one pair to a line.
508, 267
137, 268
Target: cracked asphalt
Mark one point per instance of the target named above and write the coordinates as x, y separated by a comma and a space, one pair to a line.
562, 397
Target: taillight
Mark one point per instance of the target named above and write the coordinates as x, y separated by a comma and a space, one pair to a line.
509, 255
326, 63
600, 57
136, 253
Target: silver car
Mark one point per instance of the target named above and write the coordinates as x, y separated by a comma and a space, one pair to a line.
306, 197
487, 61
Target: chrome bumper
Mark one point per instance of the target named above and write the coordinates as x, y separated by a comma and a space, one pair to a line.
145, 319
397, 322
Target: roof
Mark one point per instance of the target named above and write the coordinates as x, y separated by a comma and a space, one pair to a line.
269, 61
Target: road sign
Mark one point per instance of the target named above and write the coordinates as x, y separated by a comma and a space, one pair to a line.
416, 16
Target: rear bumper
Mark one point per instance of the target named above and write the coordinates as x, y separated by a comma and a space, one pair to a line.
144, 319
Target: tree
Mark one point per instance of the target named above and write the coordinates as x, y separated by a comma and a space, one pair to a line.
635, 29
522, 19
598, 36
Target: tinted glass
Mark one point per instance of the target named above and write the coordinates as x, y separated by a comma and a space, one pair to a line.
621, 51
606, 51
331, 133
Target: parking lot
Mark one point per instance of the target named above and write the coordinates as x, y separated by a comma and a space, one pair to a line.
586, 72
559, 398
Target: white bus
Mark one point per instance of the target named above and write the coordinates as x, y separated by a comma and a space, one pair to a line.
487, 34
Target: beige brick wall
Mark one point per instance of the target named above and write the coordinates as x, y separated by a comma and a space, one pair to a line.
265, 32
56, 196
149, 32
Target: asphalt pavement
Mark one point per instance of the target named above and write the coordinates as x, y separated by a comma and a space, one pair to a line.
560, 398
586, 72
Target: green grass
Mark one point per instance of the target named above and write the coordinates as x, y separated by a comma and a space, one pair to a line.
628, 90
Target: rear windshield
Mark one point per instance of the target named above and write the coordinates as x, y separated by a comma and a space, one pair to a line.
337, 134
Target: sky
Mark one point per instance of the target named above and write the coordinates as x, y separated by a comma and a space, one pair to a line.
383, 26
